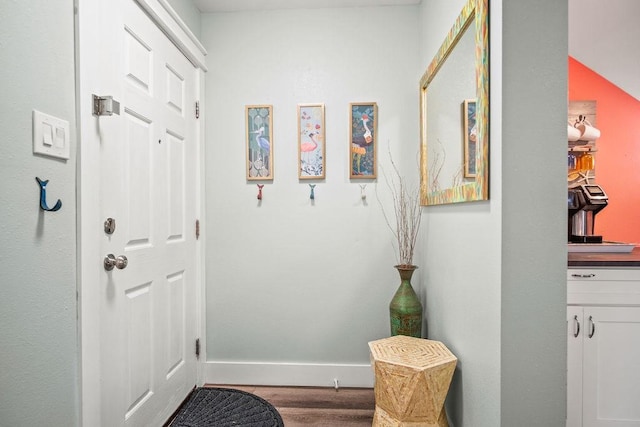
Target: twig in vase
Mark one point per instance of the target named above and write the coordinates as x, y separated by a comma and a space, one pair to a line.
406, 205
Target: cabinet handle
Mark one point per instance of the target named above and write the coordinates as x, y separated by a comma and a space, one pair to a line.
583, 276
577, 328
593, 326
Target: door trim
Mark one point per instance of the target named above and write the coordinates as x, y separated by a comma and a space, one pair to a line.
176, 30
163, 15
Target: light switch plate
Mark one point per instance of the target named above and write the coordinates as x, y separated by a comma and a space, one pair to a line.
50, 136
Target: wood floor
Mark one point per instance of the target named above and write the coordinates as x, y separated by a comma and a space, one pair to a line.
317, 406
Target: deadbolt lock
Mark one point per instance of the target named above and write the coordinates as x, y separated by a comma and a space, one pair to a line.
110, 226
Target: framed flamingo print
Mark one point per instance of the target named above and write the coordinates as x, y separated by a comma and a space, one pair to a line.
311, 141
470, 137
259, 142
363, 141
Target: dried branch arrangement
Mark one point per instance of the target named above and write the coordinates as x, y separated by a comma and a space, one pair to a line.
406, 205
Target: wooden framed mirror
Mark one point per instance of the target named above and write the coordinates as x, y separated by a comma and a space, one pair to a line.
454, 113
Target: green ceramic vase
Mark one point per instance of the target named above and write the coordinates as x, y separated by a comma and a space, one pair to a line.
405, 308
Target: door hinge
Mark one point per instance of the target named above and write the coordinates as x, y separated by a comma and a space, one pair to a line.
197, 229
197, 109
197, 348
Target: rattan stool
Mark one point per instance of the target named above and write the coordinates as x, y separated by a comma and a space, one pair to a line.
412, 378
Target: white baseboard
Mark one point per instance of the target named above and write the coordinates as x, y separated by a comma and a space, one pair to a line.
287, 374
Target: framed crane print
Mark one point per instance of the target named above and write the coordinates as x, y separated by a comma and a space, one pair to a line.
311, 141
363, 140
259, 142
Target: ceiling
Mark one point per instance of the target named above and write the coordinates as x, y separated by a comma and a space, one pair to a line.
603, 34
207, 6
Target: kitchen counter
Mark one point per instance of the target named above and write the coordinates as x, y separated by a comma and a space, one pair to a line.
599, 259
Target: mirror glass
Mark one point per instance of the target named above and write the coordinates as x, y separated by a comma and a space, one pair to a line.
454, 113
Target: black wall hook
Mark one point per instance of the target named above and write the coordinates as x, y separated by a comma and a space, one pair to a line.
43, 197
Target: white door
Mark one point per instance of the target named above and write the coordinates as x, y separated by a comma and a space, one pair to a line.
139, 320
611, 370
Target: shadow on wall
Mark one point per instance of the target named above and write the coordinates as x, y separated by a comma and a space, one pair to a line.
455, 401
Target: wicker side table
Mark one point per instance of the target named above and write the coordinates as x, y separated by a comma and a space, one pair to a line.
412, 378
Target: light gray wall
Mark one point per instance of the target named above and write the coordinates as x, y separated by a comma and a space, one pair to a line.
462, 263
534, 214
495, 270
38, 355
189, 13
288, 280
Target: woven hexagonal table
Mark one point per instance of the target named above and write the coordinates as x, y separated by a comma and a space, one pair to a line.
412, 378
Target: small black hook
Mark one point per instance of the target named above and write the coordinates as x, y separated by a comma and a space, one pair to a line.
43, 197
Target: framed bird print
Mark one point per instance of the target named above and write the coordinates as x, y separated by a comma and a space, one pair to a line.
259, 141
311, 141
470, 137
363, 140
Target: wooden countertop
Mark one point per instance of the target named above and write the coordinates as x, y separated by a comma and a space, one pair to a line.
599, 259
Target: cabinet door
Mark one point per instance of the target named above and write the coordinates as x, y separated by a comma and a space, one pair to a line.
575, 332
611, 366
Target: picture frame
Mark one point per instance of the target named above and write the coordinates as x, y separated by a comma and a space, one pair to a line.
363, 132
470, 137
311, 141
259, 142
459, 70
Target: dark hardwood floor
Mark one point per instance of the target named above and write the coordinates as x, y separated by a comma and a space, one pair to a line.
317, 406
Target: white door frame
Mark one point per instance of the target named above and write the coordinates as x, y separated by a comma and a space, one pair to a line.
89, 254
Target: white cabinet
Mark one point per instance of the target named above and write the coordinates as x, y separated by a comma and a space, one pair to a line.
603, 352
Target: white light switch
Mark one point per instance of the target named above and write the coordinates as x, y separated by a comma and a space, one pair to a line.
47, 131
51, 135
61, 139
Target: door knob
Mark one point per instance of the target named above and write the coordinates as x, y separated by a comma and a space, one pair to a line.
111, 261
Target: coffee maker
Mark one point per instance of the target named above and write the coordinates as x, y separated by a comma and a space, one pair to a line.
585, 201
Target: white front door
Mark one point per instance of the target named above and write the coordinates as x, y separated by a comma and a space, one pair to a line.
138, 170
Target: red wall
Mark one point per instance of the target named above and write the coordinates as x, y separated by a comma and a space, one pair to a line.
618, 155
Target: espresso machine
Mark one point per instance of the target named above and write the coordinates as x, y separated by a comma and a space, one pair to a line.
585, 201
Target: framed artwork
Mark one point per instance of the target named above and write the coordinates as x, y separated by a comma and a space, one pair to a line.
470, 137
259, 142
363, 140
311, 141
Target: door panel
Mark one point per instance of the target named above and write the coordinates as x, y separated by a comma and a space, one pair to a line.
575, 333
138, 60
175, 323
612, 366
175, 196
137, 155
140, 349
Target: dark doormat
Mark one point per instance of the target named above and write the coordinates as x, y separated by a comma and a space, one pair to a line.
222, 407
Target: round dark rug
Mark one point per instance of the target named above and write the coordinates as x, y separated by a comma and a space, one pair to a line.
222, 407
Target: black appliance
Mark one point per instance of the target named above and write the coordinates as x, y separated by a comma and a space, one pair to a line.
584, 203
